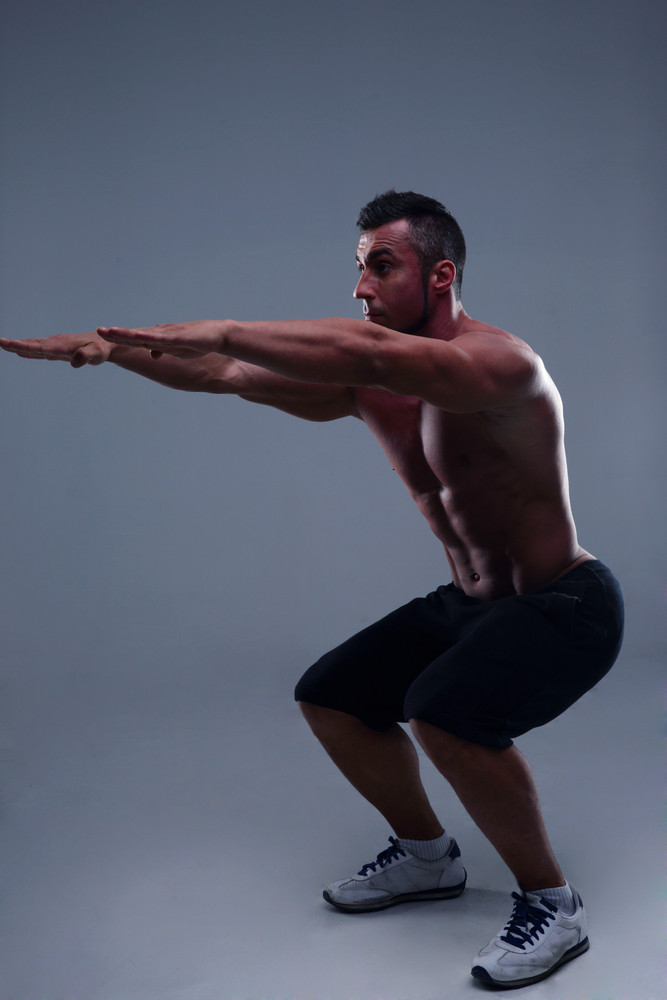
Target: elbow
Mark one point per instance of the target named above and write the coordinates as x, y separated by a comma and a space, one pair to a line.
378, 362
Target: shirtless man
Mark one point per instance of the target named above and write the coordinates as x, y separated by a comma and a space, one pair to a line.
472, 423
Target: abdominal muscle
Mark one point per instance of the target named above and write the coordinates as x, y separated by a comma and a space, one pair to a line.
517, 555
493, 490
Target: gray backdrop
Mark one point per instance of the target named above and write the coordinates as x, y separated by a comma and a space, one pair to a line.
171, 557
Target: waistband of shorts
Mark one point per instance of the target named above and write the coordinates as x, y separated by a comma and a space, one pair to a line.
584, 571
592, 569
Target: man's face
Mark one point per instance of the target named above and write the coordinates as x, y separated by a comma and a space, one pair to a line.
391, 284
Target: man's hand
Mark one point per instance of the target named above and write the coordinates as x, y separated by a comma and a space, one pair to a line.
181, 340
79, 349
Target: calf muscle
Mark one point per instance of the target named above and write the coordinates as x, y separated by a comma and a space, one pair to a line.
382, 766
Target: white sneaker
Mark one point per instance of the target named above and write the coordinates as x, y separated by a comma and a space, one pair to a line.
537, 940
396, 876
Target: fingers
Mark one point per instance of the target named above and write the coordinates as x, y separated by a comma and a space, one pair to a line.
26, 348
90, 354
142, 337
87, 356
78, 350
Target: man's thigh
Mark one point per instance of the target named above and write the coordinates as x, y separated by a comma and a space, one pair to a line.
369, 674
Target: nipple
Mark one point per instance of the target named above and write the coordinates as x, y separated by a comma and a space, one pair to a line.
475, 577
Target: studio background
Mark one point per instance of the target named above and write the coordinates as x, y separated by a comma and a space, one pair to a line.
171, 562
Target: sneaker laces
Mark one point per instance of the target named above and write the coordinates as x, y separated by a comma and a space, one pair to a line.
518, 931
384, 858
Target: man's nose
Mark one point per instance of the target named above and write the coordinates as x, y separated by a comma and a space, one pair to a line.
363, 288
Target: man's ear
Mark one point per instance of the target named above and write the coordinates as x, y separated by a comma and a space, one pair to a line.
442, 276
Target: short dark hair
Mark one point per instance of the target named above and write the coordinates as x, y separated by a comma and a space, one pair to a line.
436, 234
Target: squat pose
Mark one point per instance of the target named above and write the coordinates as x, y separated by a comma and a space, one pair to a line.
472, 423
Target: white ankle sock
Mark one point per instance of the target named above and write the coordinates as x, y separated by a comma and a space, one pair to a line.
427, 850
561, 896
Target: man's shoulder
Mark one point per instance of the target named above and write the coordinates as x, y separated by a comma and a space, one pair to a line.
502, 353
483, 336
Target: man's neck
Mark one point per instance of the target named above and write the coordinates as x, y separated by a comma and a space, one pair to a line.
448, 323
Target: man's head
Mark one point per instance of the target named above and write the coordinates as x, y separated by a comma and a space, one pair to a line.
435, 233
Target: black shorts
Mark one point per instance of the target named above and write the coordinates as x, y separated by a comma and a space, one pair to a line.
486, 671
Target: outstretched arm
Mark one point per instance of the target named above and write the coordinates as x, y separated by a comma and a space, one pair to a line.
479, 369
194, 372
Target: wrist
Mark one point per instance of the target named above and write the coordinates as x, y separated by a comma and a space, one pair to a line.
114, 352
225, 328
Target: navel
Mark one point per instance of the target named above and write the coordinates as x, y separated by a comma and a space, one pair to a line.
475, 577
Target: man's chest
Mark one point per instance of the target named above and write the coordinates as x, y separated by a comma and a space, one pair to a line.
429, 448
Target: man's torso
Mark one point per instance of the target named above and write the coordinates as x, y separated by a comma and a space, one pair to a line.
491, 484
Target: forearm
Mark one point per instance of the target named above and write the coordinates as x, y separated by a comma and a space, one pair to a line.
217, 374
209, 373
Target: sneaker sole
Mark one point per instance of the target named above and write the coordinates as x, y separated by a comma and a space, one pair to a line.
449, 892
479, 972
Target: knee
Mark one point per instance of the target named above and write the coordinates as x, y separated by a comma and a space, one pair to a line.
333, 729
320, 719
308, 710
448, 750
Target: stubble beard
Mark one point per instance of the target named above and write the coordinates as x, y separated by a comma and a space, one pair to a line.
416, 328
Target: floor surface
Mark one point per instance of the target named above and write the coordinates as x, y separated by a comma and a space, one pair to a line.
164, 846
